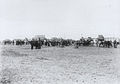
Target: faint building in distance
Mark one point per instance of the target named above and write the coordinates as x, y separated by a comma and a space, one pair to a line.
41, 37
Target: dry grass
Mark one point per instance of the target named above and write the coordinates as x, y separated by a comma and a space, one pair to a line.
86, 65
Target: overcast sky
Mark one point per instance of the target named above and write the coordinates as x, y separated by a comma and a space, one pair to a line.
61, 18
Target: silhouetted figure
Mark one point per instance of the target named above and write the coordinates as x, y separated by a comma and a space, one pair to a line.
115, 44
13, 42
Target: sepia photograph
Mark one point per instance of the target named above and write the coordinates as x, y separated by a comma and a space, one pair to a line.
59, 41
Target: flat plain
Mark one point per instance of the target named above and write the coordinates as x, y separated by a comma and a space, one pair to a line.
55, 65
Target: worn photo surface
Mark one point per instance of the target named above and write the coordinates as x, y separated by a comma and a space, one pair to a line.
59, 42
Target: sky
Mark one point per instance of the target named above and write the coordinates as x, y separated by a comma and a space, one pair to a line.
59, 18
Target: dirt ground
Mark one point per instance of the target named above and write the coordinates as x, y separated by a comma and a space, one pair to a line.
54, 65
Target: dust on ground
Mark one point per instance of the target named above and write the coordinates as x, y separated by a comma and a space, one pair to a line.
54, 65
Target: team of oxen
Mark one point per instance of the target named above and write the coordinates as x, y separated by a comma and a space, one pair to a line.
38, 43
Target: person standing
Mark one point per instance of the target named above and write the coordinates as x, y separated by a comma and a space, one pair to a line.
115, 44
